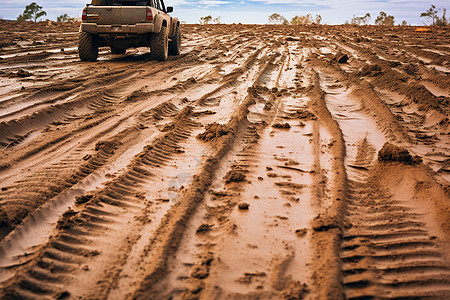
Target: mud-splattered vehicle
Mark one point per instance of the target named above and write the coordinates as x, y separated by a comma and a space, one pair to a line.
128, 23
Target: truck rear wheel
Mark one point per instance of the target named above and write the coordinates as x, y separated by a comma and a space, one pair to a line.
175, 43
87, 47
159, 44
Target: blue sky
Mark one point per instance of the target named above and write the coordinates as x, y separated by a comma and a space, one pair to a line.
254, 11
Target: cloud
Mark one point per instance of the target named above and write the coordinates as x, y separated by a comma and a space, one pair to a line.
292, 2
212, 2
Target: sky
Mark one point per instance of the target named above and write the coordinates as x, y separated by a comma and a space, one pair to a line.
254, 11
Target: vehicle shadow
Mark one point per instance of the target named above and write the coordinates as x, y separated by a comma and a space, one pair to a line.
134, 56
130, 57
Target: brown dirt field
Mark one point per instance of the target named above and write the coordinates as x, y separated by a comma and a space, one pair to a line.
263, 162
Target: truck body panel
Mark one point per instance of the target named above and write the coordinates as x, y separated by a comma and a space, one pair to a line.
116, 15
140, 28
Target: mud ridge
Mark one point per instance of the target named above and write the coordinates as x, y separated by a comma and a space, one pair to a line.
171, 229
328, 226
92, 215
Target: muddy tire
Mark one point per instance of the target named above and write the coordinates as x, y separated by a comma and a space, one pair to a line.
118, 51
87, 47
159, 44
175, 43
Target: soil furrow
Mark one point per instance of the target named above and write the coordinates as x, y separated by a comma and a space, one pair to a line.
263, 162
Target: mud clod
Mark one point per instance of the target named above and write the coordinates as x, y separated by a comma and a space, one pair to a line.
62, 295
301, 232
213, 131
235, 176
83, 199
393, 153
200, 272
370, 70
325, 223
204, 228
23, 73
106, 146
281, 125
243, 205
296, 291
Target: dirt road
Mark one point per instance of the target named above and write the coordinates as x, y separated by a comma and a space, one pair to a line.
264, 162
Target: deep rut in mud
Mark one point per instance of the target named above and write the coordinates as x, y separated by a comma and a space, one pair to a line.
264, 162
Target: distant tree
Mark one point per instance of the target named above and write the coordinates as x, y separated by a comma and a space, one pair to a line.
62, 18
32, 12
205, 20
302, 20
360, 20
216, 20
442, 21
278, 19
318, 19
22, 17
389, 21
366, 19
404, 23
430, 14
384, 19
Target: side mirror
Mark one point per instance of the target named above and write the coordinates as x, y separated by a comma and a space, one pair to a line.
169, 9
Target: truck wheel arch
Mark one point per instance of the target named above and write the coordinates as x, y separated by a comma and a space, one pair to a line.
159, 23
173, 28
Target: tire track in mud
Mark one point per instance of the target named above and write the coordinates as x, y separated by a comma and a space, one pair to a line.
282, 199
80, 228
199, 272
181, 87
387, 252
69, 185
159, 111
426, 128
177, 217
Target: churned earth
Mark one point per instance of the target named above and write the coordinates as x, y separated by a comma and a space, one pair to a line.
264, 162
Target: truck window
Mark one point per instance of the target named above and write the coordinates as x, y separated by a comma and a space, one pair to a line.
159, 5
163, 7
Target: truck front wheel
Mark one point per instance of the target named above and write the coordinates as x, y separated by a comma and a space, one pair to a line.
175, 44
159, 44
87, 47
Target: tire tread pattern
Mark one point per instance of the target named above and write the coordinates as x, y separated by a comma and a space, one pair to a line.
159, 44
87, 48
175, 44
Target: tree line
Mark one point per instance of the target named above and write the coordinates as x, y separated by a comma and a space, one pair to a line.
431, 17
34, 12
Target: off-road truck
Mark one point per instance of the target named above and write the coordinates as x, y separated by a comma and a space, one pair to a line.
128, 23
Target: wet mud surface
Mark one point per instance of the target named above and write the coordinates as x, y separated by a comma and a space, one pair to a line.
264, 162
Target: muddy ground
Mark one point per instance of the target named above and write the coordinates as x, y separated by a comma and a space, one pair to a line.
264, 162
